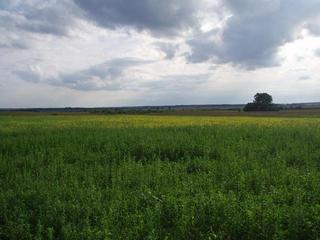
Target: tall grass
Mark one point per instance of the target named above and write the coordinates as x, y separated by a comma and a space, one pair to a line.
139, 177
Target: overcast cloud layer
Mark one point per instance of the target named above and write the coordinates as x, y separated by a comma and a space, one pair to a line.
112, 52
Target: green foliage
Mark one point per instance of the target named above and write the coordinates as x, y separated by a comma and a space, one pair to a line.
263, 99
88, 177
250, 107
261, 102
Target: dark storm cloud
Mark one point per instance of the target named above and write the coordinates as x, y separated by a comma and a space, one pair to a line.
250, 38
202, 47
110, 75
159, 17
254, 32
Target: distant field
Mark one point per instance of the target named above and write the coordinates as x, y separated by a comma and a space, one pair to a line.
208, 112
159, 177
173, 112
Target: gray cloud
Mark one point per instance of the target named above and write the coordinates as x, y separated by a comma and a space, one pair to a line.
110, 75
304, 77
159, 17
317, 52
177, 83
169, 49
114, 75
29, 75
45, 17
254, 32
14, 43
202, 47
13, 38
314, 26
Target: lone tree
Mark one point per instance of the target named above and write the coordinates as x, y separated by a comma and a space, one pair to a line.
261, 102
263, 99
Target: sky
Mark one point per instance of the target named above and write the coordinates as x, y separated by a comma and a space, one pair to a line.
102, 53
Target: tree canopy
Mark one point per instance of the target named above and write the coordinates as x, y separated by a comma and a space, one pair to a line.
263, 99
261, 102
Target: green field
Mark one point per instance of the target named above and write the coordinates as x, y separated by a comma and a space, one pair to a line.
157, 177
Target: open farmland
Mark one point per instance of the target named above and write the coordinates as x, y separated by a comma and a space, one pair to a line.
159, 177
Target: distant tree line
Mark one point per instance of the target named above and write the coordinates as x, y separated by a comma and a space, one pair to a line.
261, 102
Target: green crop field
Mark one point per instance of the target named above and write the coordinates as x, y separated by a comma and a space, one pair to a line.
159, 177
